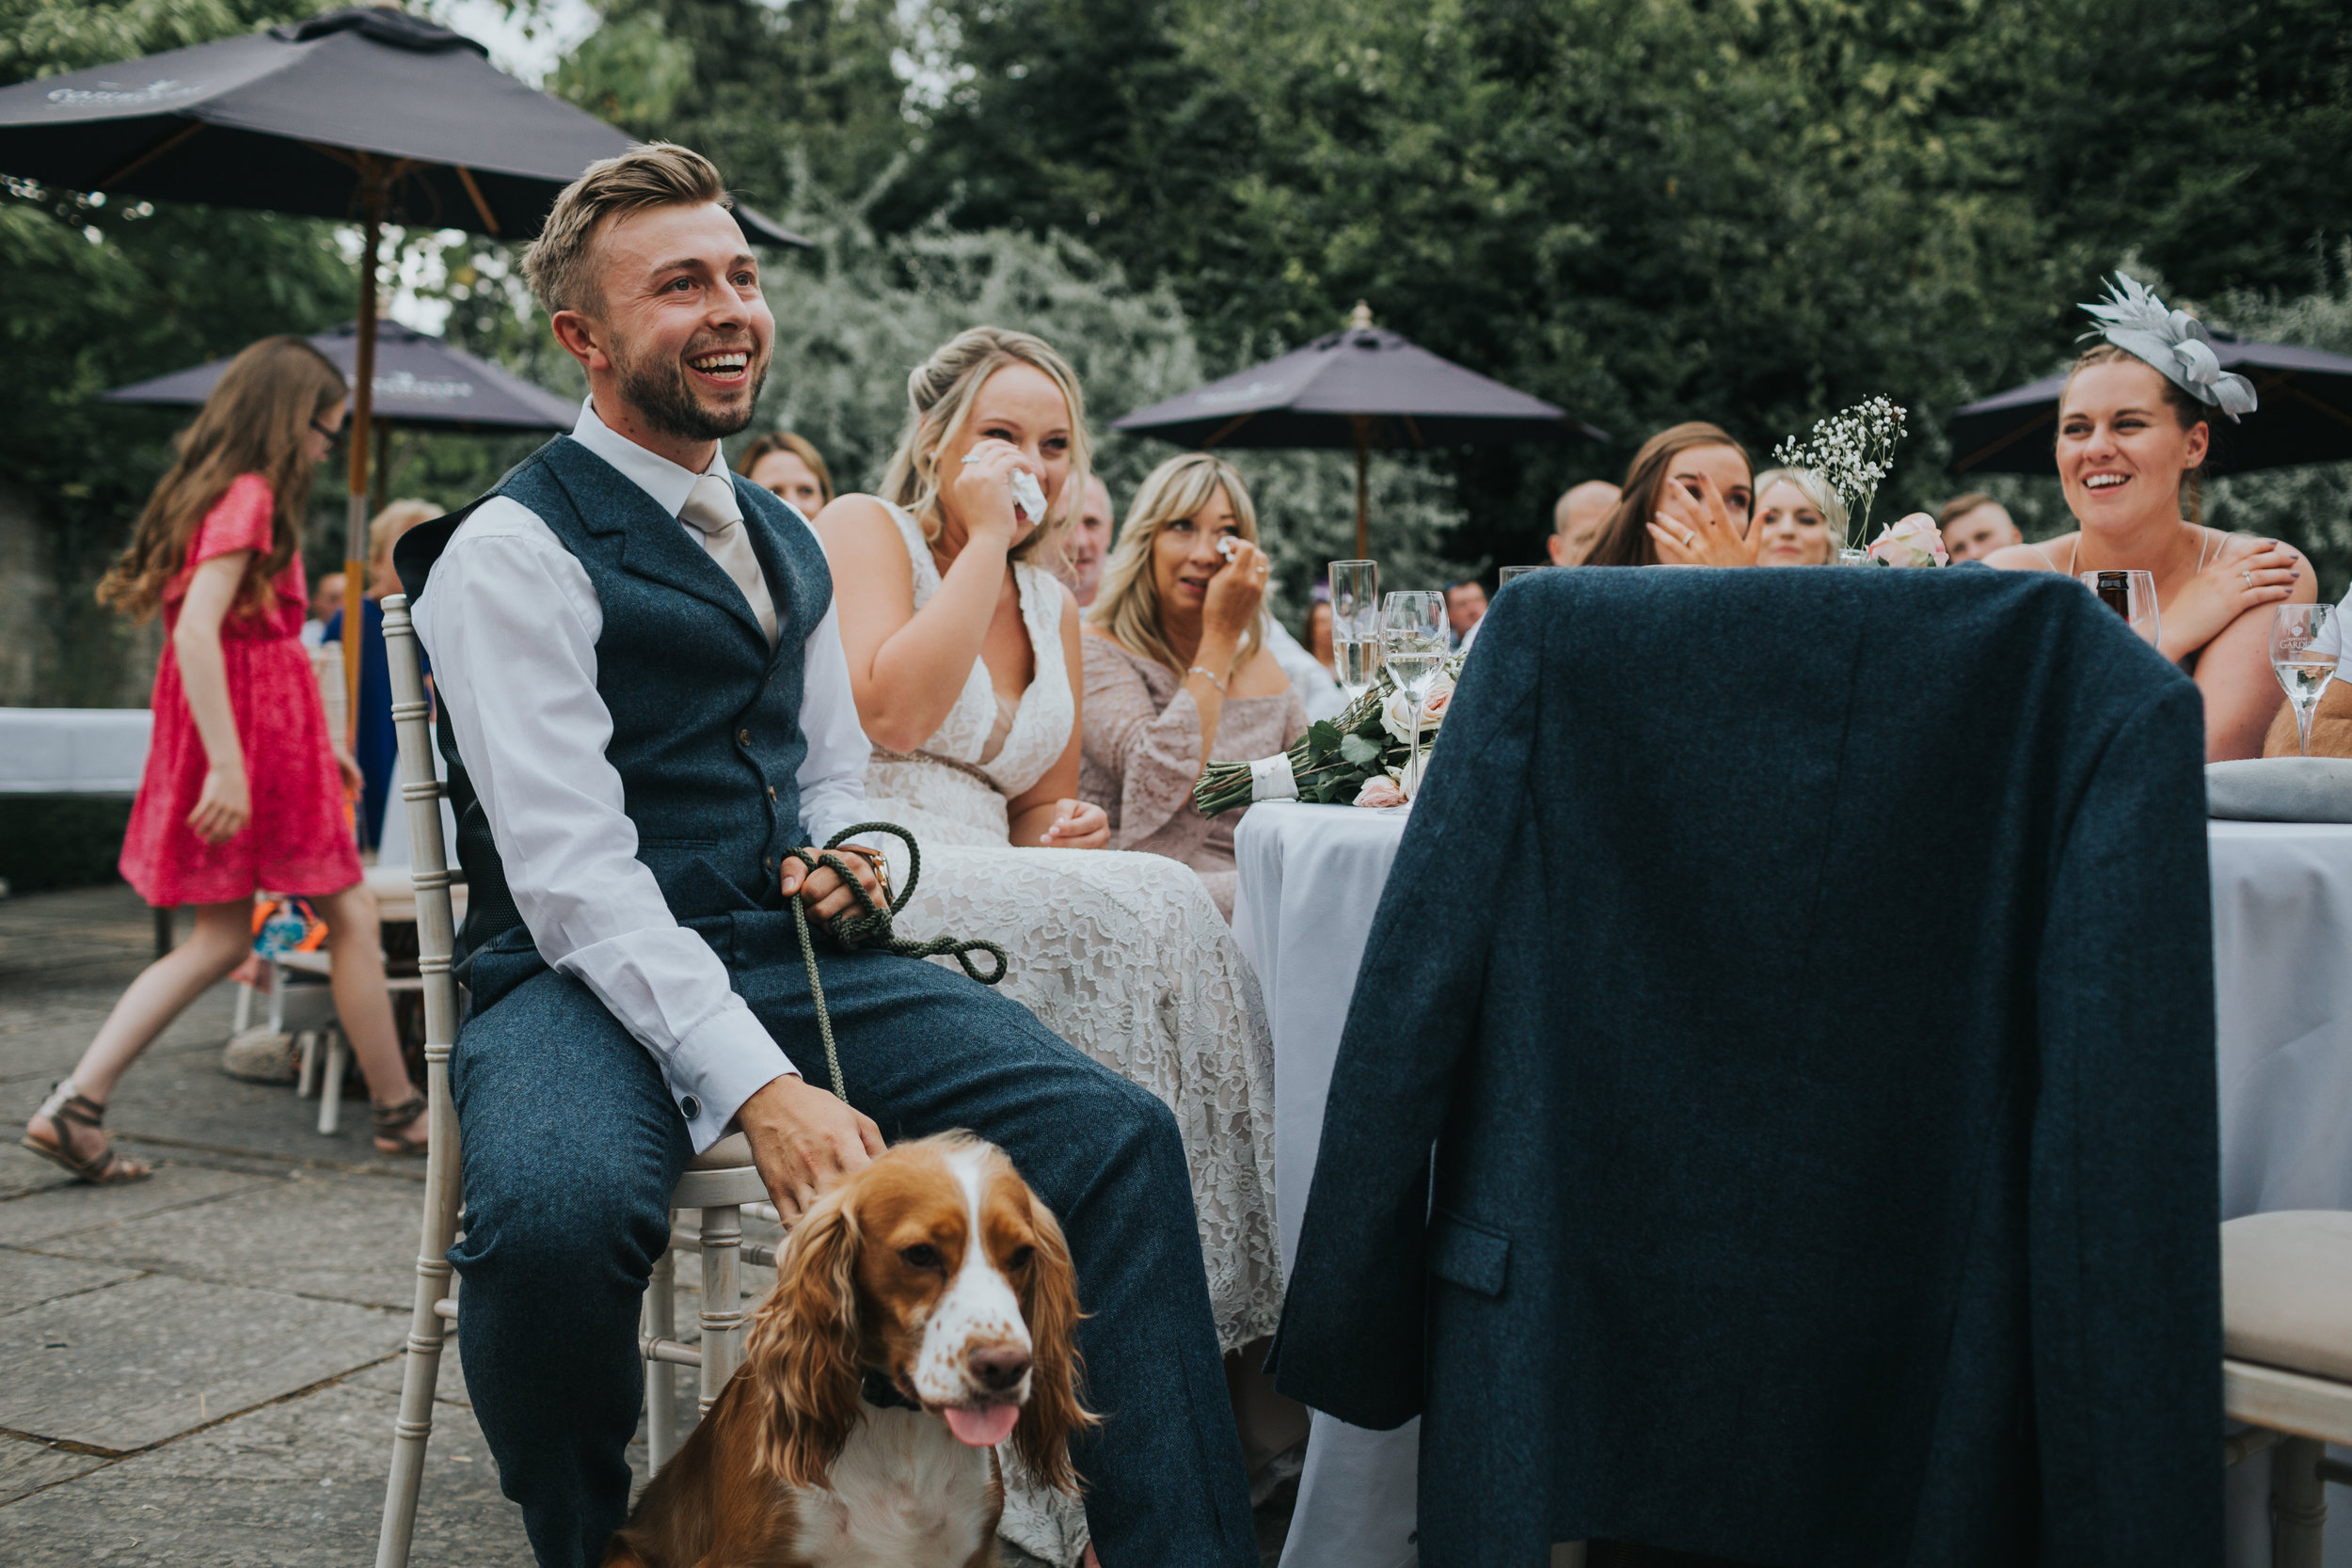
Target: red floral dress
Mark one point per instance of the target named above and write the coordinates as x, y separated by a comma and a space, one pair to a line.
300, 838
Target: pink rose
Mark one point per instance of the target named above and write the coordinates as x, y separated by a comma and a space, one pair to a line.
1914, 541
1380, 790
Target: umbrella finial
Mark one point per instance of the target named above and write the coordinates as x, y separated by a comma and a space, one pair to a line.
1360, 317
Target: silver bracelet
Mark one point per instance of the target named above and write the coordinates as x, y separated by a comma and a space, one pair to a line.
1197, 669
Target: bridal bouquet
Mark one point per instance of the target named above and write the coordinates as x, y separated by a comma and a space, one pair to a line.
1360, 758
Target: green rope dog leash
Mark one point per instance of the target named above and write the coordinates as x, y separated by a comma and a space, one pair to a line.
869, 926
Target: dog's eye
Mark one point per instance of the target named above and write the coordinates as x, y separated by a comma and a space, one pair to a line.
1020, 1257
922, 1255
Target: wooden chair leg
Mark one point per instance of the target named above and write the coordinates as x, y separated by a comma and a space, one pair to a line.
331, 1088
722, 1302
2299, 1503
428, 1330
661, 1376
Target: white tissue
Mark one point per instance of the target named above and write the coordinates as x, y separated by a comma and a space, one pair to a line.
1028, 496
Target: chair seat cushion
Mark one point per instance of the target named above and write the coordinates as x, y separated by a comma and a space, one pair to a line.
728, 1152
2286, 1292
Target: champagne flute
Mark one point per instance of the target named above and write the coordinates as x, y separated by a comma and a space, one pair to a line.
2132, 595
1511, 574
1414, 642
1356, 623
2304, 642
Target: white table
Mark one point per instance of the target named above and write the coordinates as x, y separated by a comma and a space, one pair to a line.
72, 750
1310, 878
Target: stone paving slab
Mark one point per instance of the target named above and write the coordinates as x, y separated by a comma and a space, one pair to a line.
76, 1209
292, 1485
27, 1280
43, 1032
341, 1237
448, 1388
134, 1364
26, 1467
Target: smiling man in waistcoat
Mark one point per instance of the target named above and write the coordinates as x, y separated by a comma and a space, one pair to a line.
644, 685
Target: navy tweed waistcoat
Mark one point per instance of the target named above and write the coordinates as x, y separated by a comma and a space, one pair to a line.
705, 719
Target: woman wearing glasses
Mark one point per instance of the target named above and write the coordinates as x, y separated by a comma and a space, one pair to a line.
244, 789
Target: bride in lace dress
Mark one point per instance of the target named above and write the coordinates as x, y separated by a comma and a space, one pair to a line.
962, 653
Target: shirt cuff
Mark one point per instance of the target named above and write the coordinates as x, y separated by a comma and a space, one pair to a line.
717, 1067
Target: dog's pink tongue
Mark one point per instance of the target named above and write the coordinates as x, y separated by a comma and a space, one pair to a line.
983, 1428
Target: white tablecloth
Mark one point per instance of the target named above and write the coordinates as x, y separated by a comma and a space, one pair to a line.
1310, 878
72, 750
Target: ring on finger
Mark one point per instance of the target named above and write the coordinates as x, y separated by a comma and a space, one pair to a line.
1690, 537
970, 458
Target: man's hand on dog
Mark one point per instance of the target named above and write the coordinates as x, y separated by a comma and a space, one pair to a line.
803, 1140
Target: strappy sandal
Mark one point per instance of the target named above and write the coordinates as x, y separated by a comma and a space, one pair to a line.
68, 1107
390, 1120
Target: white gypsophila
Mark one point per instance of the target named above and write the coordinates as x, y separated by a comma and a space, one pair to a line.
1853, 450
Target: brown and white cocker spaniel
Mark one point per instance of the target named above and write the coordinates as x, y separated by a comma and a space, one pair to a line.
935, 1279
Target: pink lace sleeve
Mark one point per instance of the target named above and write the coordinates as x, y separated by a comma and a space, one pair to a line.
240, 520
1150, 753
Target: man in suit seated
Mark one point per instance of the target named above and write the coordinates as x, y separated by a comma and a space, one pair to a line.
643, 683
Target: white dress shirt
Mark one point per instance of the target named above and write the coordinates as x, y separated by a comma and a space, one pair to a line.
509, 620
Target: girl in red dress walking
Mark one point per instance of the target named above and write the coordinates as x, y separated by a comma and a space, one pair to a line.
245, 787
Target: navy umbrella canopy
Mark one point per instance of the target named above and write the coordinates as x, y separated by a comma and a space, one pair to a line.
2305, 416
306, 119
1360, 387
420, 383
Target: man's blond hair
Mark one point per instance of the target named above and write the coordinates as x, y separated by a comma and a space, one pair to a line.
560, 264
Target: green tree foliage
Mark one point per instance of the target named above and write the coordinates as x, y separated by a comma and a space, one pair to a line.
2309, 506
762, 87
858, 313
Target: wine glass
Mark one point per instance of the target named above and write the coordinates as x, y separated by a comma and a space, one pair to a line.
1356, 623
2132, 595
2304, 642
1414, 642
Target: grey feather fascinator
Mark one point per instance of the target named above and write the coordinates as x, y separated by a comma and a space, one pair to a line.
2173, 341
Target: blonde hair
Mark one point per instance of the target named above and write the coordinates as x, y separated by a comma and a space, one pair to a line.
256, 420
385, 529
654, 174
1127, 605
1813, 488
939, 394
800, 447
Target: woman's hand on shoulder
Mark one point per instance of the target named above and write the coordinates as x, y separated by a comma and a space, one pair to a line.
2247, 573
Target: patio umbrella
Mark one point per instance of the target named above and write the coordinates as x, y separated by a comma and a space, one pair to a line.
365, 114
420, 383
1361, 387
2305, 417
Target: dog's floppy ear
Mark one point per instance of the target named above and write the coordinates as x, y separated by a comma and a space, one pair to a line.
1055, 1409
802, 1351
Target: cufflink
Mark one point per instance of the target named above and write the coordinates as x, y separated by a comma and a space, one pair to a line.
691, 1106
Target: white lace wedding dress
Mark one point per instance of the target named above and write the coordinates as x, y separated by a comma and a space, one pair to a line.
1124, 955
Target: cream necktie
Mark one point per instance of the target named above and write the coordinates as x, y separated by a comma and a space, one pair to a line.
711, 512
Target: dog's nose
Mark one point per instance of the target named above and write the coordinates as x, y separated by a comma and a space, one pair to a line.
997, 1368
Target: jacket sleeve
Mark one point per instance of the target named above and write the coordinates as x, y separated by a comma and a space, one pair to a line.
2124, 1225
1350, 1342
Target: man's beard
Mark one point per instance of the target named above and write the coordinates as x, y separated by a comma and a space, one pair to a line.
658, 391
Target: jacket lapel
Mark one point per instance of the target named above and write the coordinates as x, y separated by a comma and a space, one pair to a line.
652, 545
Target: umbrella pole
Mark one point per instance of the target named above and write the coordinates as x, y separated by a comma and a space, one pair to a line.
359, 447
1363, 506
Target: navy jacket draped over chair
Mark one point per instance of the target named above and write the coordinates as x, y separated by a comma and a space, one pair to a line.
1805, 978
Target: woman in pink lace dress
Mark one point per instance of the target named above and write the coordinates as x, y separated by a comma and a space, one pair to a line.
1177, 673
244, 789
